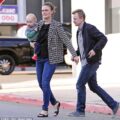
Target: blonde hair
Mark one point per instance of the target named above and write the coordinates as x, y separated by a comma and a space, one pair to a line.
31, 16
80, 12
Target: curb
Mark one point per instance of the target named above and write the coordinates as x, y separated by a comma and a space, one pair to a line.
101, 109
26, 70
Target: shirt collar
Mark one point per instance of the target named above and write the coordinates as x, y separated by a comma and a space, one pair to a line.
81, 26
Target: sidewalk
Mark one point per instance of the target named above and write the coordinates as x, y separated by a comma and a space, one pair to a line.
29, 93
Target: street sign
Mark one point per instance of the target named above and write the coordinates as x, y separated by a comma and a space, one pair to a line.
1, 2
8, 14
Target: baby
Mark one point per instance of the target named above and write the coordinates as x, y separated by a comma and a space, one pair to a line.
32, 33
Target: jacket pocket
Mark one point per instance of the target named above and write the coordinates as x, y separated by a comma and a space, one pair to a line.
95, 58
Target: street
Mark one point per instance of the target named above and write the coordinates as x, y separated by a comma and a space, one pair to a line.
24, 86
16, 111
63, 86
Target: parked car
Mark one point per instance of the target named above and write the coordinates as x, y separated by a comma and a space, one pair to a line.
14, 51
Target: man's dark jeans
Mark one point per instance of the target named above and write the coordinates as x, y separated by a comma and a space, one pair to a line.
45, 71
88, 75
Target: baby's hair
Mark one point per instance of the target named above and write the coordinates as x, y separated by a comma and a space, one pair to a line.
29, 15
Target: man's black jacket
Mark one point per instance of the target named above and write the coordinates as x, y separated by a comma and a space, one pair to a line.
92, 39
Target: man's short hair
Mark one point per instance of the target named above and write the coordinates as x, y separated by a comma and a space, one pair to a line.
80, 12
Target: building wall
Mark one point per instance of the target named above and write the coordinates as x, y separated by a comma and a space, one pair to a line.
63, 11
113, 16
62, 8
34, 6
95, 14
10, 2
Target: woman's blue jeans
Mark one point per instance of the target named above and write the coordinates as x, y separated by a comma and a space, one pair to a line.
45, 71
88, 75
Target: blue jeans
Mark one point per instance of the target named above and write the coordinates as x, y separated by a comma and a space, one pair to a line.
45, 70
88, 75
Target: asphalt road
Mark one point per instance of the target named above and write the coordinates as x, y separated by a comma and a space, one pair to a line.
17, 111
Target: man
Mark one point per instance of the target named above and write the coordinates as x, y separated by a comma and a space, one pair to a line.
90, 44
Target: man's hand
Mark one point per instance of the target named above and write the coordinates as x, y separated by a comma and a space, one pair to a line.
91, 53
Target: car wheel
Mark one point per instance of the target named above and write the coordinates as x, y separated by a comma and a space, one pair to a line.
7, 64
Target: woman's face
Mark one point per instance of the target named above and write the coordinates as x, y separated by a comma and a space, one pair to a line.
46, 12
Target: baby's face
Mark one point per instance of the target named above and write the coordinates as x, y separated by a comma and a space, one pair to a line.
30, 21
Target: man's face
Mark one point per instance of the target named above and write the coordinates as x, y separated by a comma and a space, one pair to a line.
77, 20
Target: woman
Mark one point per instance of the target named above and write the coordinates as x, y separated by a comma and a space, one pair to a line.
51, 38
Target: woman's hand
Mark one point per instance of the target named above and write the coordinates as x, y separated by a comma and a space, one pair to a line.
75, 59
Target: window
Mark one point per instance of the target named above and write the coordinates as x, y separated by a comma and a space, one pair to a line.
10, 2
112, 16
36, 7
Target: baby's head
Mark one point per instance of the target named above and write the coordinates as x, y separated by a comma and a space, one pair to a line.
31, 19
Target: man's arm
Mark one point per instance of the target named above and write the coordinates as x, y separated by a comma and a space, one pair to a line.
99, 37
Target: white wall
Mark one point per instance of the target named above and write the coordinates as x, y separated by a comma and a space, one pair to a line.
115, 3
95, 11
109, 73
93, 15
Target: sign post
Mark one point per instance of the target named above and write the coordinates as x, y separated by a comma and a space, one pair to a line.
8, 14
